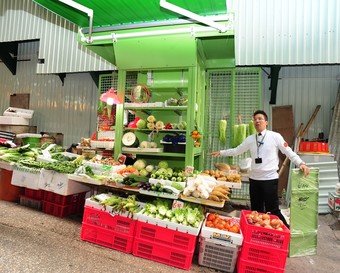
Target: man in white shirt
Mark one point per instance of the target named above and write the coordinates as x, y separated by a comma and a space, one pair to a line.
264, 147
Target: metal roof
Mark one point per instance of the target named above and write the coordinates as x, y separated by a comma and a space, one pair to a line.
127, 12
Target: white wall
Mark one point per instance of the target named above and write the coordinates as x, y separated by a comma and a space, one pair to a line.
25, 20
68, 109
305, 87
287, 32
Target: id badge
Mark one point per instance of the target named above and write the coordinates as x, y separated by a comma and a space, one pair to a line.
258, 160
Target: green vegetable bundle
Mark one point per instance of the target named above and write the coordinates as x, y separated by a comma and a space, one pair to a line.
222, 129
251, 128
189, 215
240, 134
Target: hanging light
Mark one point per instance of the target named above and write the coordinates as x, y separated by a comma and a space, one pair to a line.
110, 97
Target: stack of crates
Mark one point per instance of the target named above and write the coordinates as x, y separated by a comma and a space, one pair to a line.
304, 212
107, 229
63, 205
263, 250
32, 198
164, 245
219, 249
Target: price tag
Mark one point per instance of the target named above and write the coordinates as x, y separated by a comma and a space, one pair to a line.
121, 159
177, 204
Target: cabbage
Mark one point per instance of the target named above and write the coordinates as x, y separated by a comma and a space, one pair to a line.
144, 144
163, 164
159, 125
153, 144
141, 124
149, 168
151, 119
139, 164
143, 172
151, 126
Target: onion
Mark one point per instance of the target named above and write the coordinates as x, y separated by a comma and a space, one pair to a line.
265, 216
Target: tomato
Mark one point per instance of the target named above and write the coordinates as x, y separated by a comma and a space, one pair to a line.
216, 221
211, 217
235, 229
209, 224
227, 226
219, 226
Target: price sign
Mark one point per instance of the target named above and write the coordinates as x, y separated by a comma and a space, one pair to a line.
121, 158
177, 204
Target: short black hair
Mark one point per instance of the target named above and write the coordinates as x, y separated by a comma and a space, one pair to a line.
73, 145
261, 112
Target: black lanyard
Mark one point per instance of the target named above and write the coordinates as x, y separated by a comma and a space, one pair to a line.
259, 143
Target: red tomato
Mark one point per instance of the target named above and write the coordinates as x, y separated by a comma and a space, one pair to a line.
211, 217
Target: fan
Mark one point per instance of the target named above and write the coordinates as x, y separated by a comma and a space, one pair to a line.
140, 93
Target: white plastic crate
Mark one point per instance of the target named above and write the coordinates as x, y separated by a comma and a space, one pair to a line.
25, 177
59, 183
18, 112
162, 223
102, 144
106, 135
7, 120
221, 256
222, 236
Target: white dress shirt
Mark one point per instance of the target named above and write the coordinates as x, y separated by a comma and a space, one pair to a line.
265, 146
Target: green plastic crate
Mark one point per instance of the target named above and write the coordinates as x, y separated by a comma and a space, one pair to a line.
34, 142
304, 210
303, 244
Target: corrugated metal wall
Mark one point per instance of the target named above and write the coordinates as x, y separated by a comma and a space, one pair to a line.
68, 109
287, 32
25, 20
305, 87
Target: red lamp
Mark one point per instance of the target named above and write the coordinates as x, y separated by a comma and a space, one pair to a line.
110, 97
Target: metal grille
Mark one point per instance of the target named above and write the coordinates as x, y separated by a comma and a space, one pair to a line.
247, 95
226, 102
107, 81
111, 80
219, 99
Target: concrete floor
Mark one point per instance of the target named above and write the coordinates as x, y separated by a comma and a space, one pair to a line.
31, 241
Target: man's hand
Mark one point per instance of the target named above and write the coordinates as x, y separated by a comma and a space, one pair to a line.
305, 169
215, 154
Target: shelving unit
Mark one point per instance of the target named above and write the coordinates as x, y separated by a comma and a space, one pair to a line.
165, 84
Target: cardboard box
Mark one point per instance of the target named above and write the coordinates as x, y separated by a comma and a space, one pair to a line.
334, 201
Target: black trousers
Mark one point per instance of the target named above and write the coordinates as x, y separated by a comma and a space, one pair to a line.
264, 197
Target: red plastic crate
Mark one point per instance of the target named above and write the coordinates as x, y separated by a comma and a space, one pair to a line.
162, 253
313, 146
264, 255
245, 266
107, 238
30, 202
165, 236
264, 236
64, 200
34, 194
61, 211
108, 221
